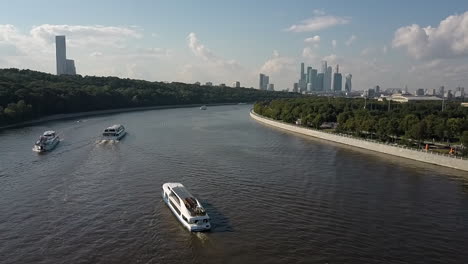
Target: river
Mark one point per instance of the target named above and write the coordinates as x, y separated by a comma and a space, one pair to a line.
273, 196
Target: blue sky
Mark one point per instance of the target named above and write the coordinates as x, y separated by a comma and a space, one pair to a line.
224, 41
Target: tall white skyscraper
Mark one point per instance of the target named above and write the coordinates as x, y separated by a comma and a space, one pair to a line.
263, 82
64, 66
327, 81
348, 85
324, 67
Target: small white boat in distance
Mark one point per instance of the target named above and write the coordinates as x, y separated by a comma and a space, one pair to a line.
203, 107
47, 142
114, 132
185, 207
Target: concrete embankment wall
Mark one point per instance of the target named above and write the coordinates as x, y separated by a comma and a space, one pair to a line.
442, 160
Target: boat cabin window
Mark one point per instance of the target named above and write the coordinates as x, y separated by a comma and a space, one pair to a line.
175, 207
175, 197
185, 219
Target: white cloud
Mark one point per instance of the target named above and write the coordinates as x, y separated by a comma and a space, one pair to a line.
384, 49
448, 40
35, 49
313, 40
318, 22
283, 70
96, 54
334, 43
199, 50
351, 40
318, 12
367, 51
309, 54
214, 68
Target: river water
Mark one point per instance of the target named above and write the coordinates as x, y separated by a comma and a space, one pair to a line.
273, 196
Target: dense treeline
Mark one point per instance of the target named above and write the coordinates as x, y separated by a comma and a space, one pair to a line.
387, 121
26, 94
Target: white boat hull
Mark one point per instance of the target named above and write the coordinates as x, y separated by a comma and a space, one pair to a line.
45, 148
193, 227
190, 227
121, 135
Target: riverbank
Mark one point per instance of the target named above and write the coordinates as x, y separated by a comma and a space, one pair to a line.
102, 112
418, 155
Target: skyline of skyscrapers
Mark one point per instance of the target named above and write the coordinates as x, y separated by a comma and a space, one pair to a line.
324, 81
64, 65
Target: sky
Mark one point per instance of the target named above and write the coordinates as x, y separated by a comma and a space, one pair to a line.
421, 44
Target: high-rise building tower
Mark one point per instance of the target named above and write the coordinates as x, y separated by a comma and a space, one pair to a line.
309, 72
313, 79
319, 83
61, 55
328, 79
337, 80
263, 82
296, 87
302, 71
64, 66
348, 85
324, 67
442, 91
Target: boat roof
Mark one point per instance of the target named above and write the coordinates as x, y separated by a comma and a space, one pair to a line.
180, 190
115, 126
49, 133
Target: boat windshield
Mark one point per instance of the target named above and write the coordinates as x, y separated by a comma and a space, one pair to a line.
193, 207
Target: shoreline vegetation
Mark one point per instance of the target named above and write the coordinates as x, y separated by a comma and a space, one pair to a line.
101, 112
434, 158
26, 95
418, 125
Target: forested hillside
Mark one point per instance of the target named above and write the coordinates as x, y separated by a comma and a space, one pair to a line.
26, 94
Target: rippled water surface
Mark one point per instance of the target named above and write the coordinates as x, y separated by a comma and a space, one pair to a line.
273, 196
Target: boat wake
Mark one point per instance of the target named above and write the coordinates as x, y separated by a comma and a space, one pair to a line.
106, 141
202, 237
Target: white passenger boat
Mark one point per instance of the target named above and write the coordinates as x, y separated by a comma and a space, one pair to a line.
203, 107
47, 142
114, 132
185, 207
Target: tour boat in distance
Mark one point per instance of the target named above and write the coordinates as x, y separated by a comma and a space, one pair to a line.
185, 207
114, 132
47, 142
203, 107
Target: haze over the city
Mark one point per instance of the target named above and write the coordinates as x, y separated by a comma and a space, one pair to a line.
391, 44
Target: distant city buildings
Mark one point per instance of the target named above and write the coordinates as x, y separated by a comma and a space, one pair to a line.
64, 66
296, 87
419, 92
209, 84
264, 83
313, 81
236, 84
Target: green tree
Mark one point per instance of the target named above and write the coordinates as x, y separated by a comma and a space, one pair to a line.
318, 120
464, 139
454, 126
